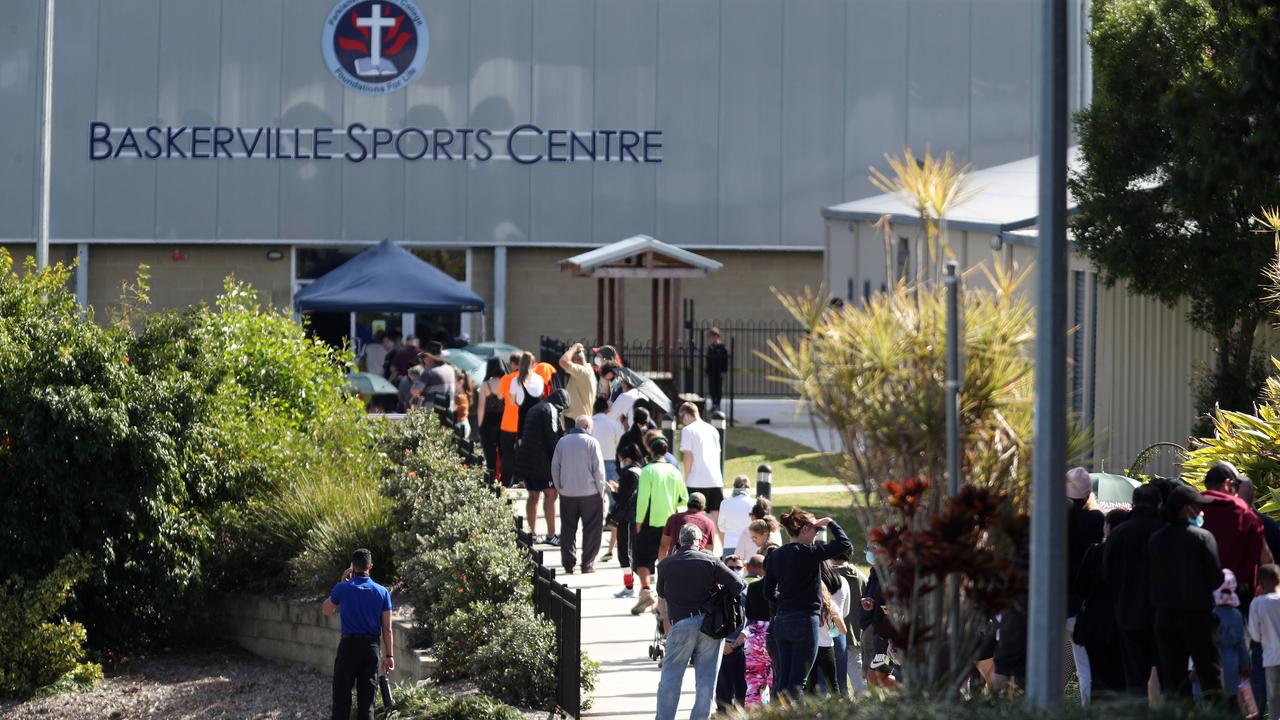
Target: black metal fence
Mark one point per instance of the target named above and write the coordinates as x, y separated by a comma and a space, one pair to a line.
563, 607
682, 367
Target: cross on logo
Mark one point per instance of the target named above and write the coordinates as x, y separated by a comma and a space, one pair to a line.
375, 46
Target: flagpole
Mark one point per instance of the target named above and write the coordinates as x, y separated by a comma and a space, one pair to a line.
46, 141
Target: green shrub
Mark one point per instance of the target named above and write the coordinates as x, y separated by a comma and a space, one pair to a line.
419, 702
40, 651
469, 584
153, 444
517, 661
92, 461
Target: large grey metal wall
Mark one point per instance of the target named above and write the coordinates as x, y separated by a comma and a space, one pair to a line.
771, 109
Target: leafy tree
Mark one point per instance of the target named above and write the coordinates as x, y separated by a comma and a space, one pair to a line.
1180, 147
153, 444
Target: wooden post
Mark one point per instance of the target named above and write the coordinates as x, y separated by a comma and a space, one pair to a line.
622, 313
666, 318
653, 332
600, 307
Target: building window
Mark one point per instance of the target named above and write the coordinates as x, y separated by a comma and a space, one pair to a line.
1077, 342
902, 262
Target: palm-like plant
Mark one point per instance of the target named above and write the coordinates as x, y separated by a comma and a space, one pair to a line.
932, 186
1250, 441
876, 375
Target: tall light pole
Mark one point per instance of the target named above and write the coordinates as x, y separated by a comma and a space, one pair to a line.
46, 141
1046, 613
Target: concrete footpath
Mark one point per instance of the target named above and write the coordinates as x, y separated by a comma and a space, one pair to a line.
787, 418
627, 687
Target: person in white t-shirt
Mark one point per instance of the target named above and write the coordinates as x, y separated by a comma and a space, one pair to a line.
373, 356
700, 454
735, 514
622, 406
608, 432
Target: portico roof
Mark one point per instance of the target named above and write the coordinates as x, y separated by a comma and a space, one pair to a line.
1008, 199
640, 256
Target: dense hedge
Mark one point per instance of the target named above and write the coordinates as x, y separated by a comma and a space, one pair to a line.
165, 448
468, 583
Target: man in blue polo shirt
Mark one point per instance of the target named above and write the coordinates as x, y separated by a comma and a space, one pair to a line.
366, 620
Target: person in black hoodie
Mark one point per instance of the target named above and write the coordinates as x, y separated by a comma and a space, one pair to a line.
1084, 530
1126, 568
870, 618
538, 437
624, 515
1184, 573
1095, 627
632, 441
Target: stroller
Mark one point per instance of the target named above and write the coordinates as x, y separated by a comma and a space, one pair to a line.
657, 648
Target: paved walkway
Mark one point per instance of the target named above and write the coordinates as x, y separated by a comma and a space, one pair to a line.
787, 419
628, 682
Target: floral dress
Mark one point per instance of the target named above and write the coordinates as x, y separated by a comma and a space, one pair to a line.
759, 665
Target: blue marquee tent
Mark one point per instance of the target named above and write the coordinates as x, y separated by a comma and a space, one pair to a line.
387, 278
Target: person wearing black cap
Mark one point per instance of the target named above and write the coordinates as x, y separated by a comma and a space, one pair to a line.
1184, 573
365, 610
1126, 568
1235, 527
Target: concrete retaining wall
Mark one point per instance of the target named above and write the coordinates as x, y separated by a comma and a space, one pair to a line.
297, 632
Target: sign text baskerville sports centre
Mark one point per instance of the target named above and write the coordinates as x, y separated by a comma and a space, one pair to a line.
525, 144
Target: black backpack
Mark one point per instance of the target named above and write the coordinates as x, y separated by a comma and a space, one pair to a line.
724, 614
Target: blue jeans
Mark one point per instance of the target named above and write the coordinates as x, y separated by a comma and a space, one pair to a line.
841, 643
684, 641
796, 633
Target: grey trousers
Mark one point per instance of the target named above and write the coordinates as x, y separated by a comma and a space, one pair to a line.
1273, 691
588, 510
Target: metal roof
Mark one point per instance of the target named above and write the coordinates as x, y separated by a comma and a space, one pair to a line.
1007, 200
638, 245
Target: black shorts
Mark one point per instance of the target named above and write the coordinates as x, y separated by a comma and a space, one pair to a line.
714, 496
645, 546
537, 485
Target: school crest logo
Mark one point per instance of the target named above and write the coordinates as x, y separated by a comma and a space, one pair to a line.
375, 46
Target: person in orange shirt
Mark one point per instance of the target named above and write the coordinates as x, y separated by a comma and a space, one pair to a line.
509, 428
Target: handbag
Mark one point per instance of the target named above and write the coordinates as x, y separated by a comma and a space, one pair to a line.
723, 614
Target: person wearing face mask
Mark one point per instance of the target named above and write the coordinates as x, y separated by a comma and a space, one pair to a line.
1184, 574
1084, 530
731, 682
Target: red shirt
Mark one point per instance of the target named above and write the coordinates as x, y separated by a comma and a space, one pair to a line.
690, 517
1238, 532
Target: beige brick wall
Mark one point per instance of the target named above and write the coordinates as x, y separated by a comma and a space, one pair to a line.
197, 277
64, 254
542, 300
482, 285
297, 632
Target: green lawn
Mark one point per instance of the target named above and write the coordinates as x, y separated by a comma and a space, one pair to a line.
793, 464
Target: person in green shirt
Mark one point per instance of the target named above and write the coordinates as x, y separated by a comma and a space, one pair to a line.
659, 494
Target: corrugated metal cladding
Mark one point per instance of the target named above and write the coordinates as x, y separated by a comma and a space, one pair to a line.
1135, 360
770, 110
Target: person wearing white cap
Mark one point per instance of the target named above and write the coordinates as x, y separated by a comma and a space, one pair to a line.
1084, 529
